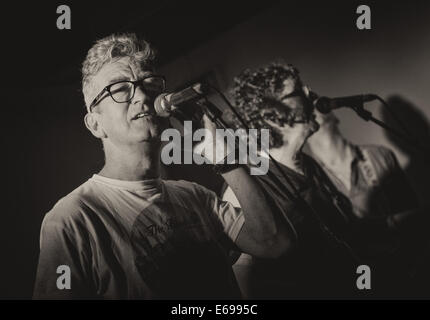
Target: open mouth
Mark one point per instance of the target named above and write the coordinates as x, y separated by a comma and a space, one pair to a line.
141, 115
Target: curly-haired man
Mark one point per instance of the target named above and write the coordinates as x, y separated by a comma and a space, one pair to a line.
274, 97
321, 261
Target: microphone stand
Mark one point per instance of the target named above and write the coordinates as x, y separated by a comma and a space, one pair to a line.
367, 116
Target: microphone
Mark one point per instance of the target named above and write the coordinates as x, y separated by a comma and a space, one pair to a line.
325, 104
166, 103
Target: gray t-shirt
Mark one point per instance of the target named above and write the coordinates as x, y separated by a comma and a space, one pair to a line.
149, 239
379, 187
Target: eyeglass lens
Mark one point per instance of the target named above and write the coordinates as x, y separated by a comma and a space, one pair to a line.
124, 91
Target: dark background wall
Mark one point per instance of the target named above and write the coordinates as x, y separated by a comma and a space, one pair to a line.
48, 152
336, 59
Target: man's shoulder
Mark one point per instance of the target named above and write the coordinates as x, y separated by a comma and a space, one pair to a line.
376, 148
379, 154
185, 186
72, 206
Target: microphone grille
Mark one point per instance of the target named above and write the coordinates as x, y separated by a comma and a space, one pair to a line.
323, 104
160, 106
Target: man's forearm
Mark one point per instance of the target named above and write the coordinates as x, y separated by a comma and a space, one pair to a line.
261, 221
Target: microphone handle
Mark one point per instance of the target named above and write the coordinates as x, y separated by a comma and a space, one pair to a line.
325, 104
351, 100
186, 95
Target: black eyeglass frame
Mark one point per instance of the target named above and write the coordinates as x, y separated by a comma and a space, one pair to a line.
134, 83
296, 93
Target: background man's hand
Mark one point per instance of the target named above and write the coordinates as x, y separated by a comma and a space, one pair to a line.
214, 147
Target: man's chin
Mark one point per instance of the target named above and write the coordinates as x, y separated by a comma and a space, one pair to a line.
153, 126
150, 139
148, 134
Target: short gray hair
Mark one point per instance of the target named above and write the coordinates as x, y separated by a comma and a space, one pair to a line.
112, 48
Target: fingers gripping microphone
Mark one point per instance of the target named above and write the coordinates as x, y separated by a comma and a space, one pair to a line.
166, 103
325, 104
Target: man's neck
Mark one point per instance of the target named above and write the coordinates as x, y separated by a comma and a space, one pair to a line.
290, 155
132, 163
331, 148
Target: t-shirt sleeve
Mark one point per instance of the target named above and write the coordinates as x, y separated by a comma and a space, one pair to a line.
63, 256
230, 217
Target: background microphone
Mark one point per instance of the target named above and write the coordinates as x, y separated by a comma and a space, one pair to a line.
166, 103
325, 104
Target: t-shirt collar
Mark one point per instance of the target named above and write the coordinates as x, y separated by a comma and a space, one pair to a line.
138, 185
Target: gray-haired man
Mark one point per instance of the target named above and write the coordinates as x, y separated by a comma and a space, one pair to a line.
125, 233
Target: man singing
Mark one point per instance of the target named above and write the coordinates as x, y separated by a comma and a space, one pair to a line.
330, 225
321, 262
125, 233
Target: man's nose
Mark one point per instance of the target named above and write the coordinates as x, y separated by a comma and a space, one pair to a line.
140, 96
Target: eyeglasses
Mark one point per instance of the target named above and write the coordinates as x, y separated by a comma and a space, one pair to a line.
124, 90
279, 112
299, 115
295, 93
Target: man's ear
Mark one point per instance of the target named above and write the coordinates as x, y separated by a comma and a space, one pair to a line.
92, 122
306, 90
309, 93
